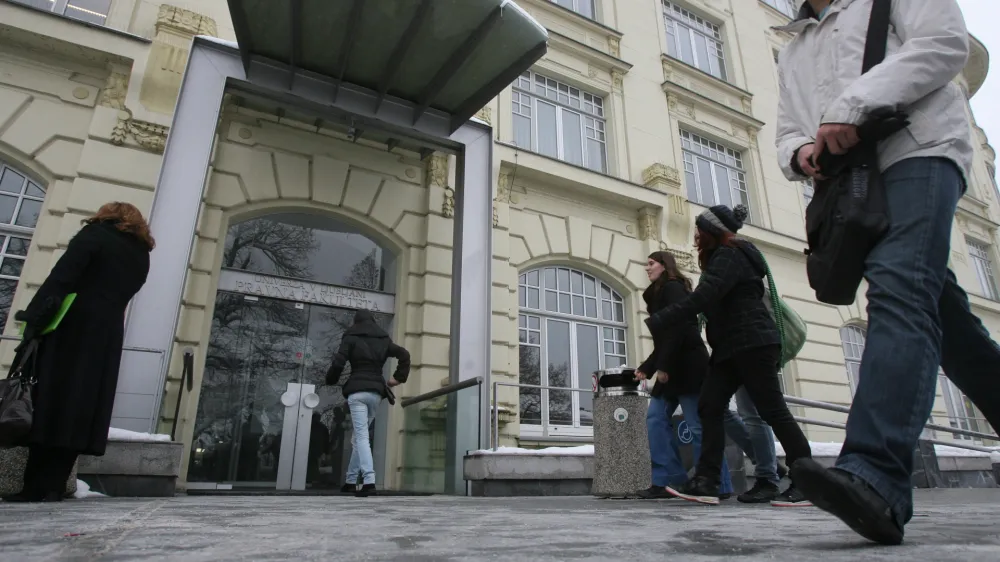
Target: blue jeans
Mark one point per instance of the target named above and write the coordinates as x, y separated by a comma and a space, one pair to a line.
664, 451
753, 436
912, 298
363, 406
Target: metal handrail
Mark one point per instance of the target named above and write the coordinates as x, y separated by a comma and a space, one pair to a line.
124, 347
443, 391
495, 433
845, 410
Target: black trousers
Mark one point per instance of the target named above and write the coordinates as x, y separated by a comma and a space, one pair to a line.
757, 370
47, 470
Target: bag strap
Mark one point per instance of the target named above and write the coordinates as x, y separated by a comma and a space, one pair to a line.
878, 34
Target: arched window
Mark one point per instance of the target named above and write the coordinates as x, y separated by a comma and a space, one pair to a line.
853, 340
570, 324
20, 204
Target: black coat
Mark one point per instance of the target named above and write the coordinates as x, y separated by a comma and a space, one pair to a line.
77, 365
678, 348
367, 347
730, 295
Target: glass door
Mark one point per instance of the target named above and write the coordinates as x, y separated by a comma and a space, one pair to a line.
255, 351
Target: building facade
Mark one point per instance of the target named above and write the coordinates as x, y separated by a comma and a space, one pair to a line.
641, 114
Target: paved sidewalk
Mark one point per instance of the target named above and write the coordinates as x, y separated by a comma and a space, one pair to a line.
950, 525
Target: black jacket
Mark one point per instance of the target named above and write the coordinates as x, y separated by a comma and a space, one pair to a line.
730, 295
77, 365
678, 348
367, 347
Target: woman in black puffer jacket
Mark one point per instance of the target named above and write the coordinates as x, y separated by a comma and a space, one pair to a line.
366, 346
678, 365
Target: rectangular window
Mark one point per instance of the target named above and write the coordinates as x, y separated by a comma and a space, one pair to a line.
786, 7
693, 40
91, 11
961, 411
983, 263
20, 205
560, 121
714, 174
583, 7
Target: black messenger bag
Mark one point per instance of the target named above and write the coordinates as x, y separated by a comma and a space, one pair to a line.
848, 214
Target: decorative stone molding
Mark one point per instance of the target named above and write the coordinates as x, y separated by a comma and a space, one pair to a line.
448, 206
151, 136
114, 91
668, 70
617, 81
747, 104
485, 114
662, 177
437, 170
504, 184
649, 224
184, 21
685, 260
614, 47
676, 106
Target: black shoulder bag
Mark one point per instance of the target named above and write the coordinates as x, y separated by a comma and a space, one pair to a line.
848, 214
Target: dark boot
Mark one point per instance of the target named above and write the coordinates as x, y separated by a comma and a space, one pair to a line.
24, 497
348, 488
791, 497
850, 499
699, 490
366, 490
655, 493
762, 492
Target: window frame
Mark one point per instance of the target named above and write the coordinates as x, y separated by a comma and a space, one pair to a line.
789, 11
593, 122
9, 231
576, 8
853, 375
619, 341
981, 255
673, 15
63, 8
688, 137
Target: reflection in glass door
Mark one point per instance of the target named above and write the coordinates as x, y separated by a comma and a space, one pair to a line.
266, 417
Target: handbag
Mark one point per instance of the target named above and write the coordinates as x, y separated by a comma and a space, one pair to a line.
16, 405
848, 214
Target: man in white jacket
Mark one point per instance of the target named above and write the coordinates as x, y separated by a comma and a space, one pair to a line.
918, 316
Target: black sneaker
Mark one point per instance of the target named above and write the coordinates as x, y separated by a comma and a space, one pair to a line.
699, 490
723, 497
654, 493
850, 499
366, 490
791, 497
762, 492
348, 488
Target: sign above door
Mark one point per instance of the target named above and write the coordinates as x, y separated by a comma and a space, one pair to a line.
297, 290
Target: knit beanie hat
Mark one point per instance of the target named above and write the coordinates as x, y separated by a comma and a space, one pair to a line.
720, 219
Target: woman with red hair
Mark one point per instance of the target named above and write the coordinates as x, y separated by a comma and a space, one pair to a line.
76, 365
746, 348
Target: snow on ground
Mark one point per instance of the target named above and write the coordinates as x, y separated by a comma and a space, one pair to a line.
83, 491
818, 450
115, 434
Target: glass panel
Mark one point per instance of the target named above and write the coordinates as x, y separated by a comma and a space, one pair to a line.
612, 361
550, 278
589, 286
18, 246
572, 138
7, 289
7, 206
534, 338
671, 39
692, 187
576, 282
547, 142
551, 301
706, 183
725, 193
588, 360
557, 346
522, 336
564, 303
596, 156
11, 182
28, 214
568, 4
564, 280
578, 306
605, 292
534, 323
522, 321
606, 310
423, 468
11, 266
34, 191
255, 350
522, 132
522, 297
532, 298
619, 312
532, 278
701, 50
684, 36
591, 308
91, 11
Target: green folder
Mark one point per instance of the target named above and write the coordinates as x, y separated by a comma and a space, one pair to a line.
63, 309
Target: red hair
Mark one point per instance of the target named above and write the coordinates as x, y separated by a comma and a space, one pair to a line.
127, 218
708, 243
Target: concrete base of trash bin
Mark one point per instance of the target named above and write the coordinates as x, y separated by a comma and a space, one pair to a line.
621, 447
12, 462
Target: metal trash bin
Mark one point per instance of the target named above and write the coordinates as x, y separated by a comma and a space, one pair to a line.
621, 447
